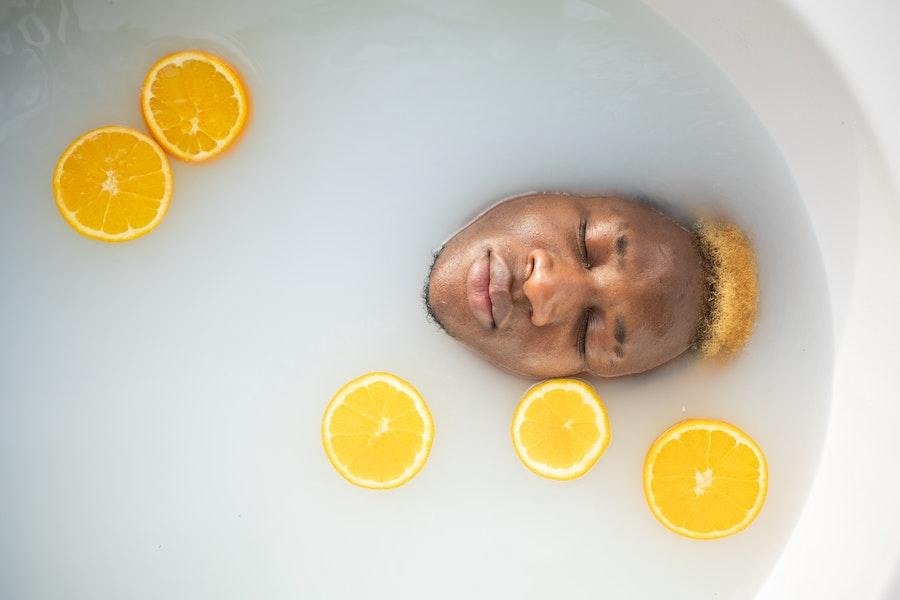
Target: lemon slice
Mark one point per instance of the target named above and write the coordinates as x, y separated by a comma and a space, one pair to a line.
705, 479
377, 431
113, 184
195, 104
560, 428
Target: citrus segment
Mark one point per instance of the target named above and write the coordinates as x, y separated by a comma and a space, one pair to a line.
705, 479
560, 428
377, 431
194, 103
113, 184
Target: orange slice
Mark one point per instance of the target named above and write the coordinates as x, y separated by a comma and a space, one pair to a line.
113, 184
195, 104
377, 431
705, 479
560, 428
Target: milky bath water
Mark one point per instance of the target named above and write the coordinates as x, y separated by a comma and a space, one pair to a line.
160, 400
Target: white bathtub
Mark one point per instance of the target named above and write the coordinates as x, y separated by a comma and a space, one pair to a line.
823, 78
171, 489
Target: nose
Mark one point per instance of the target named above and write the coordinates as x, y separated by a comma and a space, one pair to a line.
556, 289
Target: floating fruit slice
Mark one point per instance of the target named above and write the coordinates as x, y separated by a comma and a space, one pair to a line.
195, 104
705, 479
377, 431
560, 428
113, 184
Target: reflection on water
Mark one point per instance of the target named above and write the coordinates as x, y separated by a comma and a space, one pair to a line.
45, 56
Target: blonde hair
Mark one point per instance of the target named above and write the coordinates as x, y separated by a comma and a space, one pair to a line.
732, 288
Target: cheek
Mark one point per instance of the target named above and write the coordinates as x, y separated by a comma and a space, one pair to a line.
535, 229
528, 351
551, 350
514, 244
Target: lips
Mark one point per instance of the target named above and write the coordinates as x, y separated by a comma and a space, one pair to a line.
500, 290
488, 290
478, 282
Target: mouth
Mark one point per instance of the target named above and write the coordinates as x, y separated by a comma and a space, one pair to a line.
478, 284
500, 290
488, 290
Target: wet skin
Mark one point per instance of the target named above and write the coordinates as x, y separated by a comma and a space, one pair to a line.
550, 285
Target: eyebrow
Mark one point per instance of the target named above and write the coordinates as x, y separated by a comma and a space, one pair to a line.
619, 329
621, 245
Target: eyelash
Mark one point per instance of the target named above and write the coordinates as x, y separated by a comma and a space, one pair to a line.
582, 334
582, 244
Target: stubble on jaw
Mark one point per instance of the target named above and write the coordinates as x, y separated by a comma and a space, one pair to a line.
431, 315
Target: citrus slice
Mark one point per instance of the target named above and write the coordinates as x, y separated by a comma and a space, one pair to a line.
194, 103
705, 479
113, 184
560, 428
377, 431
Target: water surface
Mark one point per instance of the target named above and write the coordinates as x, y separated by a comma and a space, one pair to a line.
161, 400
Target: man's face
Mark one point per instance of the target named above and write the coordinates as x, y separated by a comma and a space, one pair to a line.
550, 285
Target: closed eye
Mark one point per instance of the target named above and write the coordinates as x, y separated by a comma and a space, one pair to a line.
581, 344
582, 243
